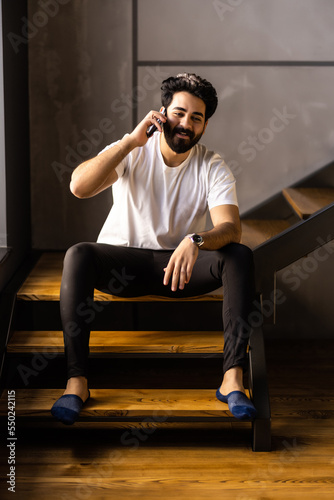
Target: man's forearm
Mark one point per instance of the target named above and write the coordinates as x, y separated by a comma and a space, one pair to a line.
221, 235
98, 173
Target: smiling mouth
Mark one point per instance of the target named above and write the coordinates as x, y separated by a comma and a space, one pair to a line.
183, 135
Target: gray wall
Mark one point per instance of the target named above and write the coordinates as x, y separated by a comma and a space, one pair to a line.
80, 63
270, 60
243, 48
267, 58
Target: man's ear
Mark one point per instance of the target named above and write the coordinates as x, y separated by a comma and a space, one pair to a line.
205, 125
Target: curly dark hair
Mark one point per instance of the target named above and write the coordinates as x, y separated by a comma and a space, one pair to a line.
194, 84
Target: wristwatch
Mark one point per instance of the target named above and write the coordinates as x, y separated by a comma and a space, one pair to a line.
196, 239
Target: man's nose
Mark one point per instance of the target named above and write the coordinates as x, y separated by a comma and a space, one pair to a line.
186, 122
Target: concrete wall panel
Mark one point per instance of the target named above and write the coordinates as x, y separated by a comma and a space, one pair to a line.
80, 69
247, 30
273, 124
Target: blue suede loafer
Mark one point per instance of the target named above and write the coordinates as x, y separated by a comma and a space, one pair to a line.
67, 408
239, 405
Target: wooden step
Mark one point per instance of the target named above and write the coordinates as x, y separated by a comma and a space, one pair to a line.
124, 404
108, 342
256, 232
307, 201
43, 284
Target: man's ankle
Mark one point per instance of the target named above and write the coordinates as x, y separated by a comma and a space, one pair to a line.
232, 381
78, 386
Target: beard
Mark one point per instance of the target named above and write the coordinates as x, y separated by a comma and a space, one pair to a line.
177, 144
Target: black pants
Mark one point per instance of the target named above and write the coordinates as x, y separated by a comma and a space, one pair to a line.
131, 272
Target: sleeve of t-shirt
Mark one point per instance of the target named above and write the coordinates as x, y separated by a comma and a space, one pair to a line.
122, 165
222, 187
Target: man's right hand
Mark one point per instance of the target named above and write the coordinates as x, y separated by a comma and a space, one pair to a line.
138, 135
97, 174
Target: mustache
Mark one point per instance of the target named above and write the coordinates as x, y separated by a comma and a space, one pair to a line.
189, 133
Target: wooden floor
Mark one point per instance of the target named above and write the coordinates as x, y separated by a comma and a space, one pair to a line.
152, 460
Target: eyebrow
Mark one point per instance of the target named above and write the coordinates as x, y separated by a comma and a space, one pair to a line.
194, 113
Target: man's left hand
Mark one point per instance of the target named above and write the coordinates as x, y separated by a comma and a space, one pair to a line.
181, 264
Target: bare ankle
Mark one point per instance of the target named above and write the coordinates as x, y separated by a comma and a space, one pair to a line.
232, 381
78, 386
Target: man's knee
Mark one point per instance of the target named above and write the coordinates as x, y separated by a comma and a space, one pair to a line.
237, 252
242, 252
81, 253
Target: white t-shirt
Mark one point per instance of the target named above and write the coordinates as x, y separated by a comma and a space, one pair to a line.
155, 206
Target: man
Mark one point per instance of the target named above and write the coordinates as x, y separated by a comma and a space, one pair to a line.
155, 238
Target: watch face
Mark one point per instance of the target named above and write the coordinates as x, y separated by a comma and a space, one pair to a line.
197, 239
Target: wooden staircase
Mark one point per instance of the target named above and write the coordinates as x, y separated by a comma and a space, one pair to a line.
293, 205
33, 348
307, 201
33, 340
290, 225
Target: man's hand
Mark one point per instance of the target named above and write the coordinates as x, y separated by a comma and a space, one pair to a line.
138, 135
97, 174
181, 264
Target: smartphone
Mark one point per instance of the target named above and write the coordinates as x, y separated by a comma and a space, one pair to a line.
150, 131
